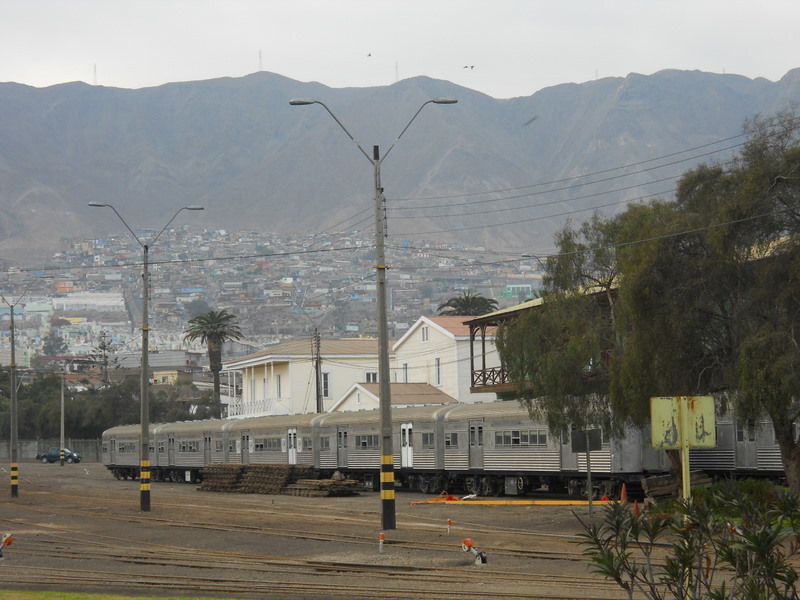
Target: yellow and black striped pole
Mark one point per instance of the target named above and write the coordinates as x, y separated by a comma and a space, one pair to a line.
388, 520
14, 480
144, 485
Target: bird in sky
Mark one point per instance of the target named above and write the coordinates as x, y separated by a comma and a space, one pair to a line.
469, 66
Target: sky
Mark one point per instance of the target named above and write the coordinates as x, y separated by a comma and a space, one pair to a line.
503, 48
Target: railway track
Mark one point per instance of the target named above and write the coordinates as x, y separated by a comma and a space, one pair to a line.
262, 547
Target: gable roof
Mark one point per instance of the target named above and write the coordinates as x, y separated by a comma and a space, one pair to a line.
402, 394
454, 327
305, 348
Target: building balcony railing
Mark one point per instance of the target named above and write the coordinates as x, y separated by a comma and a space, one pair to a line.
489, 376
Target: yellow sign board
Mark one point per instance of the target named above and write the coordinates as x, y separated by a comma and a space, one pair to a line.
683, 421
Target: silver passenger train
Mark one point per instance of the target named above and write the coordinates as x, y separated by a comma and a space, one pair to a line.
487, 449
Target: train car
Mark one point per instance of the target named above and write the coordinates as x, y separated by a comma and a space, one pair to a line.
284, 439
486, 449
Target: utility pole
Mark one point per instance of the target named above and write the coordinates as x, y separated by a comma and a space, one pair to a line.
318, 368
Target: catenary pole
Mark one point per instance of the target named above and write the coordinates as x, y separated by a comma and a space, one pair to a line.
388, 513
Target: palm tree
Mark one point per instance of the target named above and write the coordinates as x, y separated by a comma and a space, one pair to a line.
468, 304
214, 328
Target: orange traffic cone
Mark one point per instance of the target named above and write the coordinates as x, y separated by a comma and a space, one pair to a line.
636, 510
623, 496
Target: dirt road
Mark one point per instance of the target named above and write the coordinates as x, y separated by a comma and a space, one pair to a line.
76, 528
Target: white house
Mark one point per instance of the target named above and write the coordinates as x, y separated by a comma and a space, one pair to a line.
436, 351
282, 379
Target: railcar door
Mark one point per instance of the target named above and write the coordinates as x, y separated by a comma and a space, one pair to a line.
476, 444
745, 447
291, 445
171, 450
112, 451
406, 445
245, 447
341, 447
206, 448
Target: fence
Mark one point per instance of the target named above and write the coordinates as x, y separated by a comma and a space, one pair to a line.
90, 450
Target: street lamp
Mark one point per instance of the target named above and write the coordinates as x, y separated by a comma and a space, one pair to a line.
144, 462
387, 461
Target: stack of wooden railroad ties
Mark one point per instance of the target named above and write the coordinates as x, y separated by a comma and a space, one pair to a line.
663, 487
293, 480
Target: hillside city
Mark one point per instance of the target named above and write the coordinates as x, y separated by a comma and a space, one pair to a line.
279, 288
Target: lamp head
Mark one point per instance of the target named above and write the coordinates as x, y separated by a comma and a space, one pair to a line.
194, 208
301, 101
445, 100
98, 204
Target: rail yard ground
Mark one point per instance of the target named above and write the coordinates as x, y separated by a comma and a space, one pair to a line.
77, 529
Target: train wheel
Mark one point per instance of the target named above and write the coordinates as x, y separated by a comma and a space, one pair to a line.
575, 487
471, 485
424, 484
490, 487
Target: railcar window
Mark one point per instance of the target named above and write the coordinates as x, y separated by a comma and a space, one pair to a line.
325, 443
517, 437
189, 446
428, 440
161, 448
231, 445
451, 440
367, 441
272, 444
744, 434
258, 444
306, 444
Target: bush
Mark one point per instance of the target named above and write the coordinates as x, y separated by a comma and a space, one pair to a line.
733, 542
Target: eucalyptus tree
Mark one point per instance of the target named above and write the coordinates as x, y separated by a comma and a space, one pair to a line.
693, 297
560, 355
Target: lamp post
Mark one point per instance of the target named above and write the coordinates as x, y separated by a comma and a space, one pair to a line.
388, 520
144, 461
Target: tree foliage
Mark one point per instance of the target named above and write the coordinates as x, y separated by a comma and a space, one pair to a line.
214, 328
467, 304
88, 413
693, 297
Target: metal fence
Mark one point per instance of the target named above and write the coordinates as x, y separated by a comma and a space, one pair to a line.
90, 450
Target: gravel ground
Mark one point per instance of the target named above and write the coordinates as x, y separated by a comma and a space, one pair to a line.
76, 528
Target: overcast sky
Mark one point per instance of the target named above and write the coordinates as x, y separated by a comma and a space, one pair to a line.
510, 47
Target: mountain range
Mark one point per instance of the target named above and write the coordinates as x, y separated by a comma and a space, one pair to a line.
502, 174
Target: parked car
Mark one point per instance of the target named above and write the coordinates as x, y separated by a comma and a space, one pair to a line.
54, 455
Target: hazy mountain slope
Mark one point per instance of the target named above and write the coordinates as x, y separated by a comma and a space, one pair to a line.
238, 148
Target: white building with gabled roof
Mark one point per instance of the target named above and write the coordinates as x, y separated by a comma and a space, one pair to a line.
282, 379
436, 351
